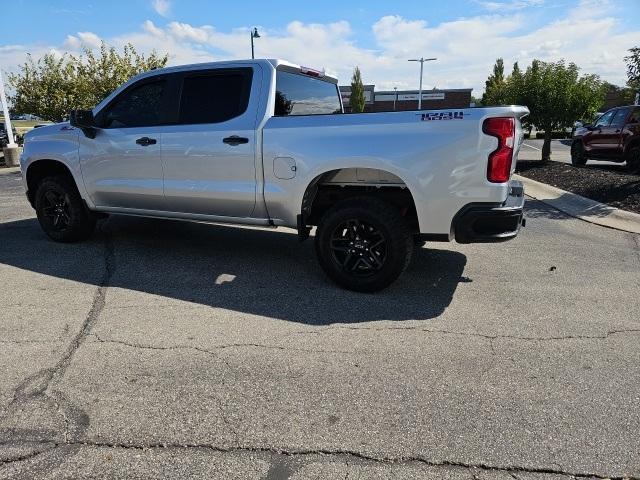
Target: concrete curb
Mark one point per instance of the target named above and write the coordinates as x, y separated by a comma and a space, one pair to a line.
5, 170
581, 207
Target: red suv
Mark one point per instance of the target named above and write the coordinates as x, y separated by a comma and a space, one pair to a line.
615, 137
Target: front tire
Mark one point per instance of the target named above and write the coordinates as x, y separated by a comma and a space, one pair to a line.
363, 244
61, 211
633, 160
578, 155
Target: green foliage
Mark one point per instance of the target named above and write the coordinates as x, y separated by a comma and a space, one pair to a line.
476, 101
633, 68
554, 92
52, 86
495, 88
617, 96
356, 100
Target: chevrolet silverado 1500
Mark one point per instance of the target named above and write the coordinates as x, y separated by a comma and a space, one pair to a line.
266, 142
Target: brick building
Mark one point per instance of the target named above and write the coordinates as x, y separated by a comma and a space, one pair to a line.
390, 100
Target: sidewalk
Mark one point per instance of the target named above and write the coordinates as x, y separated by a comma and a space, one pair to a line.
581, 207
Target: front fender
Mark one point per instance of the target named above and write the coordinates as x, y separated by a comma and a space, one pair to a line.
58, 143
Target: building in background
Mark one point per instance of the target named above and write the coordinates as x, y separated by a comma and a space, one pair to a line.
390, 100
345, 92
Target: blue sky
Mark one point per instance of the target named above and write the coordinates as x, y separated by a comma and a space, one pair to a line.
466, 36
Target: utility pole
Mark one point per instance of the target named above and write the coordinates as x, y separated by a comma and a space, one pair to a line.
254, 34
11, 152
5, 112
421, 60
395, 99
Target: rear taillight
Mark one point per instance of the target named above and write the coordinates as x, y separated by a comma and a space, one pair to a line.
504, 129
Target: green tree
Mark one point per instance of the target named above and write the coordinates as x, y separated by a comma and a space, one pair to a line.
52, 86
495, 88
356, 100
557, 96
633, 68
515, 85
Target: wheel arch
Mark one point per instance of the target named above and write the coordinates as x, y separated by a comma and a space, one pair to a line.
331, 186
634, 143
40, 169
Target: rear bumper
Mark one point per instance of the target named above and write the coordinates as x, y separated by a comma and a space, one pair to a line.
489, 222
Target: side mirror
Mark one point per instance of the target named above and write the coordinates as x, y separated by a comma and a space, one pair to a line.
84, 120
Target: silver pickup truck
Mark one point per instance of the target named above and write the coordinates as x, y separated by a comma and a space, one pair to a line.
266, 142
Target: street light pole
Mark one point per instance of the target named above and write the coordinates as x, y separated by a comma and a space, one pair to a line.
395, 98
5, 112
254, 34
421, 60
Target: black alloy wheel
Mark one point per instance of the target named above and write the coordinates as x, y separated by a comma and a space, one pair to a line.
358, 247
61, 211
55, 209
363, 244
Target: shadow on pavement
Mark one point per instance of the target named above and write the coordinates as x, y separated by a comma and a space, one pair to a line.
537, 209
260, 272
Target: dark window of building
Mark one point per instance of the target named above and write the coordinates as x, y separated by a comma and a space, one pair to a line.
139, 106
215, 97
619, 117
303, 95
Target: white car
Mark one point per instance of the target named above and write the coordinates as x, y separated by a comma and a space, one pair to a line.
265, 142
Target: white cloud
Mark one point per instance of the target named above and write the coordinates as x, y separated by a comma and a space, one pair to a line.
82, 39
466, 48
184, 31
162, 7
509, 5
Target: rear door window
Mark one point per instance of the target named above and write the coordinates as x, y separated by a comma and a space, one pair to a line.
619, 117
215, 96
304, 95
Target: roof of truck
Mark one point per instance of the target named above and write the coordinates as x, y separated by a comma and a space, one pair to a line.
276, 62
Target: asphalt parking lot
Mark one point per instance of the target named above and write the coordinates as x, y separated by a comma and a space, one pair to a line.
165, 349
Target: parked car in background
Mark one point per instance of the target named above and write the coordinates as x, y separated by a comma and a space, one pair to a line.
614, 137
4, 138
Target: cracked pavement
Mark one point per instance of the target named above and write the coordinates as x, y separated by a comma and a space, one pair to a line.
167, 349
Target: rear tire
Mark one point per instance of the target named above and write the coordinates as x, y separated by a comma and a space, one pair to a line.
61, 212
363, 244
633, 160
578, 155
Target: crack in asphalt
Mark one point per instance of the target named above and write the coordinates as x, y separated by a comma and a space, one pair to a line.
211, 351
21, 342
36, 386
490, 338
42, 379
29, 456
342, 454
635, 244
486, 336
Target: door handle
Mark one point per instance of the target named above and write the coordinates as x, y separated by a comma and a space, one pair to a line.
146, 141
235, 140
